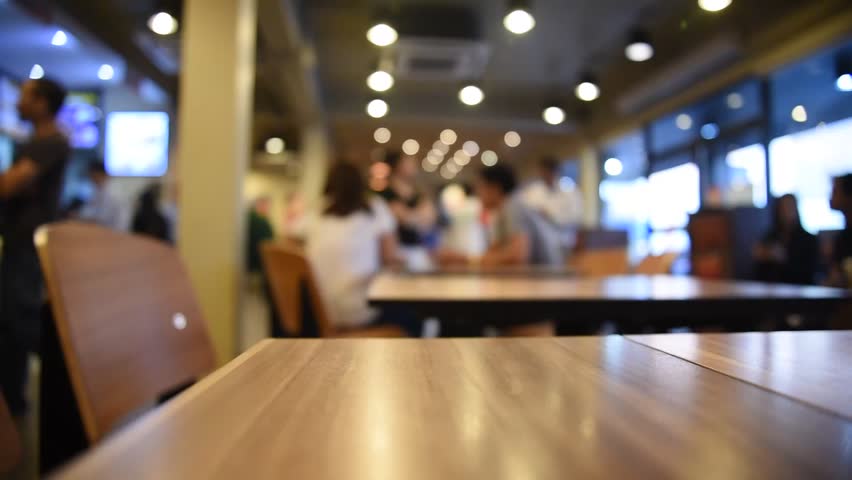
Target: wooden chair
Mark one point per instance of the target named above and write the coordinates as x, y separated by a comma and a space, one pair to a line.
128, 322
293, 283
601, 262
10, 442
657, 264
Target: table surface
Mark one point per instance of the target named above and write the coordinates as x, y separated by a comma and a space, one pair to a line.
473, 408
398, 287
813, 367
500, 271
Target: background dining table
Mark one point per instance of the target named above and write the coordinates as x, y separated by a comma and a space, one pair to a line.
592, 407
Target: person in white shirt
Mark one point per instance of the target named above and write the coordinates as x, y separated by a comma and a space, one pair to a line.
103, 208
347, 245
562, 208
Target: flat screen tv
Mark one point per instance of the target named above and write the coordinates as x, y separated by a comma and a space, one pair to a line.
137, 144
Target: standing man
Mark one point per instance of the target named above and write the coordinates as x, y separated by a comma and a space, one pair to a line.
840, 270
29, 192
103, 208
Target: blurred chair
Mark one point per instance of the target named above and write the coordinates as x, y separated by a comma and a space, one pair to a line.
601, 262
129, 325
657, 264
10, 442
297, 297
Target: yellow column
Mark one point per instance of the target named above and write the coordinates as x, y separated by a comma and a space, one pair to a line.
216, 96
590, 179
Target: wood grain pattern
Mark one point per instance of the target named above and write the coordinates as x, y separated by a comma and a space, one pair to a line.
472, 408
130, 326
10, 441
812, 367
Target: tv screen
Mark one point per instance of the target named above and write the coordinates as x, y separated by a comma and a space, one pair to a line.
137, 144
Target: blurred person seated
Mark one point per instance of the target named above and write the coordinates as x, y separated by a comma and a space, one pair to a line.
787, 253
347, 245
561, 208
414, 212
29, 196
840, 268
148, 219
103, 208
518, 236
464, 231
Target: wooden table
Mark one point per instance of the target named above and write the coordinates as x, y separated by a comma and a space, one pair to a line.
812, 367
473, 408
628, 298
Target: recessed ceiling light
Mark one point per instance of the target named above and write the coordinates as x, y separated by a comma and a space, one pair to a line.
410, 147
709, 131
587, 90
613, 167
735, 101
553, 115
461, 157
163, 23
428, 165
382, 135
380, 81
106, 72
714, 5
488, 158
471, 95
519, 21
448, 137
639, 49
800, 114
844, 82
274, 146
59, 39
377, 108
441, 147
512, 139
36, 72
382, 35
471, 148
683, 121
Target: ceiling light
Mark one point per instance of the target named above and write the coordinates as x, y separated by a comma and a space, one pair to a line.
488, 158
553, 115
377, 108
447, 173
471, 95
440, 146
512, 139
106, 72
382, 35
639, 48
382, 135
410, 147
844, 82
435, 157
461, 157
587, 90
471, 148
683, 121
36, 72
274, 146
380, 81
519, 21
800, 114
735, 101
714, 5
163, 23
448, 137
709, 131
59, 39
453, 167
613, 167
428, 165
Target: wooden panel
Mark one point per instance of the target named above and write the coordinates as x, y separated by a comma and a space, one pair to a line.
130, 326
397, 287
10, 441
812, 367
472, 408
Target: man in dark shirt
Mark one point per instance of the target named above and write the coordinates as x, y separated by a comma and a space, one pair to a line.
840, 271
29, 192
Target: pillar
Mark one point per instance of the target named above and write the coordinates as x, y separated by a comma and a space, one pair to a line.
214, 146
590, 179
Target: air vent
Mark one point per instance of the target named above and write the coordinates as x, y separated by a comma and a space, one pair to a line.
440, 59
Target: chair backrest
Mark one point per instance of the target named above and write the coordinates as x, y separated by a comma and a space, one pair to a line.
10, 442
292, 282
601, 262
128, 321
657, 264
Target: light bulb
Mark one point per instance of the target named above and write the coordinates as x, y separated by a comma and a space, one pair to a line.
519, 22
382, 35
